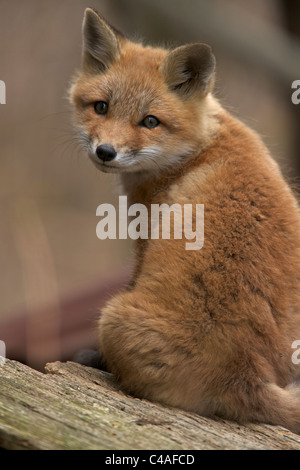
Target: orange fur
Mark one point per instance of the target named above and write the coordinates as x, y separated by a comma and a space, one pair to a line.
209, 330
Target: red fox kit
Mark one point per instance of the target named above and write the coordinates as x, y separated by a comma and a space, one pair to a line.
207, 330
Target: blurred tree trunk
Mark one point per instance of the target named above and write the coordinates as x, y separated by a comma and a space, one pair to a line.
291, 11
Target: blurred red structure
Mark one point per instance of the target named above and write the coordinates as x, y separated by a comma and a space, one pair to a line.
31, 338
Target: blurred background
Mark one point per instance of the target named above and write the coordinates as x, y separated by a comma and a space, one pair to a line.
55, 273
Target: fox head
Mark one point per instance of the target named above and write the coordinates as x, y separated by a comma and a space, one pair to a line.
139, 109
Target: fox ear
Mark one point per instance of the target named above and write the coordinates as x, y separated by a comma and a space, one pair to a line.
100, 43
189, 69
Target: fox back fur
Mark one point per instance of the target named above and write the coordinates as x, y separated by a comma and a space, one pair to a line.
210, 330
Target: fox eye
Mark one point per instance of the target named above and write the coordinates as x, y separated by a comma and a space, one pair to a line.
150, 122
101, 107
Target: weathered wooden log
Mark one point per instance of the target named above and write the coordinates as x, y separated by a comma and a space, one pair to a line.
77, 407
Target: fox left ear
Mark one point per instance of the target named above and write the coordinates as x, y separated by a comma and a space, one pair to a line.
100, 43
189, 69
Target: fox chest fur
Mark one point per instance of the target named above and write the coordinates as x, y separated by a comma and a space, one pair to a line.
208, 330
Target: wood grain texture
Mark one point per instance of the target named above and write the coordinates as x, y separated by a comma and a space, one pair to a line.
77, 407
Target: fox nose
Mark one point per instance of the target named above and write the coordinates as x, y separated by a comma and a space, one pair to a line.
106, 153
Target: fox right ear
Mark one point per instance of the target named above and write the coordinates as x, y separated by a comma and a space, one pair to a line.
189, 70
100, 43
